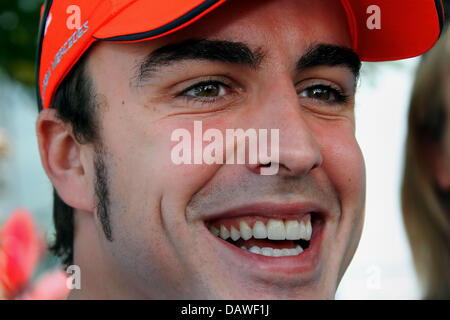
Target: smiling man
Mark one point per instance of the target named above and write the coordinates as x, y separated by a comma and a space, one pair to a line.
114, 88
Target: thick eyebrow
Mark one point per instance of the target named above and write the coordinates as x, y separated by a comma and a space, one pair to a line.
331, 56
241, 54
196, 49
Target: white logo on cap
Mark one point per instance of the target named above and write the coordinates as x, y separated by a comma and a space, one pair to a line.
49, 19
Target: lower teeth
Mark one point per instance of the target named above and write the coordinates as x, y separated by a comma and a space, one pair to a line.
270, 252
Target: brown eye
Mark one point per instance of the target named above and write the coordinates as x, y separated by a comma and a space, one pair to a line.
319, 93
323, 93
206, 90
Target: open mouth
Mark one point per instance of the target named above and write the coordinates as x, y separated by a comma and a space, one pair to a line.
272, 237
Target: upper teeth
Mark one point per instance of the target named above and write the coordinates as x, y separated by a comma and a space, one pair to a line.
275, 230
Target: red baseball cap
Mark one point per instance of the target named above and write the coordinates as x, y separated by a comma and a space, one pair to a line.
381, 29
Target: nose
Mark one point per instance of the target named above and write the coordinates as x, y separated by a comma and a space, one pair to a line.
297, 152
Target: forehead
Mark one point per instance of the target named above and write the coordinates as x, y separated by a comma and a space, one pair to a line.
288, 21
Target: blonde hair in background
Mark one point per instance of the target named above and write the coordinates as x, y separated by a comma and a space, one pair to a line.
3, 144
425, 208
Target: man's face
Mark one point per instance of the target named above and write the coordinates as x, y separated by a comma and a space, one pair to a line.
247, 67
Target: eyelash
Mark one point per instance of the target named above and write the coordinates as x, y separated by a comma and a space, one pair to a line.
204, 83
339, 96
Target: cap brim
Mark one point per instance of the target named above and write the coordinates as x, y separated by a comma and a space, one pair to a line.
145, 20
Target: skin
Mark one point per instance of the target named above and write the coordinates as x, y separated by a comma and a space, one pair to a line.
161, 247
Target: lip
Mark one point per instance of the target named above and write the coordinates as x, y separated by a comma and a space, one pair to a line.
305, 263
271, 210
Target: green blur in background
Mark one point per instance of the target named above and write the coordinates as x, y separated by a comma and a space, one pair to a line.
19, 22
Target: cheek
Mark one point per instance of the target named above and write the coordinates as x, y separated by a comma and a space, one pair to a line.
181, 181
146, 172
344, 164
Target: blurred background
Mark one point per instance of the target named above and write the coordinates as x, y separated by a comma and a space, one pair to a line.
382, 267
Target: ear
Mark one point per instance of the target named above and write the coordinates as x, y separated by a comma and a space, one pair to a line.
65, 161
440, 167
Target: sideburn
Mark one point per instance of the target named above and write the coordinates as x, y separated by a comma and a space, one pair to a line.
102, 192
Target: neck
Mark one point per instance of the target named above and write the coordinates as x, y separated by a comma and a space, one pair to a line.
97, 277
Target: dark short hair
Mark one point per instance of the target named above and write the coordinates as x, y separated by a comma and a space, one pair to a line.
75, 103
